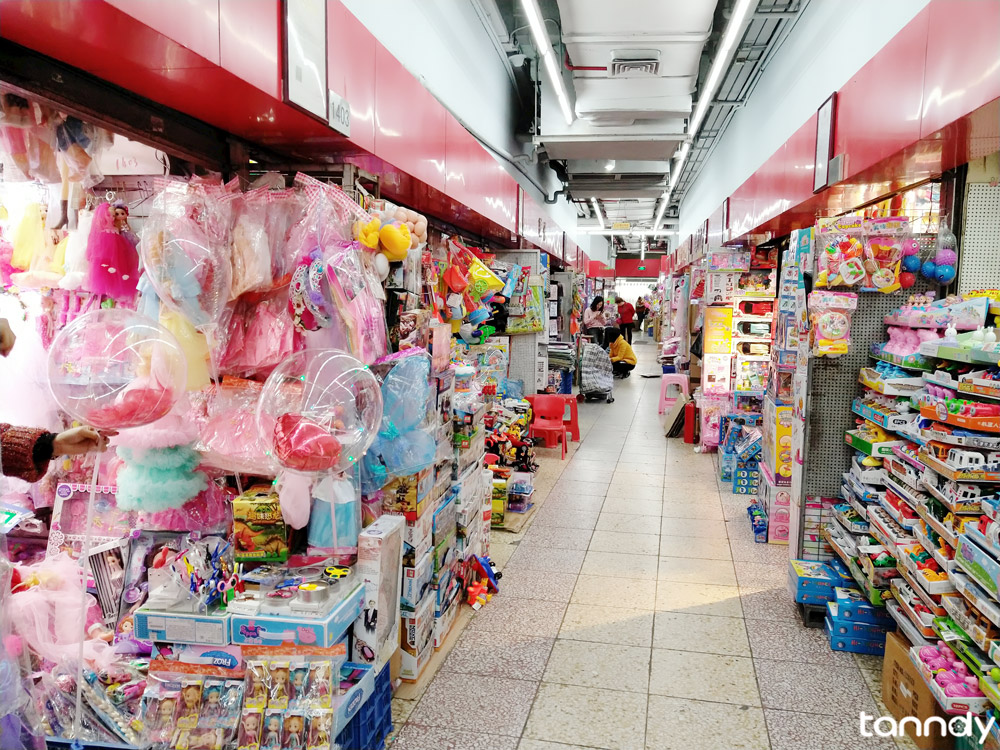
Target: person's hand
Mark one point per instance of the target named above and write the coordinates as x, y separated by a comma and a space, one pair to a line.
7, 337
80, 440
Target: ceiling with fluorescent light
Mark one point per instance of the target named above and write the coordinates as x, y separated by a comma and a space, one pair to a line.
615, 86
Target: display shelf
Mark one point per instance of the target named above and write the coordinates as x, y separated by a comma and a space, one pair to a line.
977, 597
857, 441
951, 706
916, 362
958, 475
882, 419
906, 494
932, 588
852, 527
949, 535
866, 474
980, 387
904, 596
972, 531
873, 593
899, 452
946, 563
940, 413
956, 353
869, 378
881, 520
932, 602
906, 626
977, 660
971, 507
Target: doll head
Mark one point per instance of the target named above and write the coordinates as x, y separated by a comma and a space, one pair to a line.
251, 723
273, 723
191, 695
294, 724
212, 696
120, 213
166, 710
298, 678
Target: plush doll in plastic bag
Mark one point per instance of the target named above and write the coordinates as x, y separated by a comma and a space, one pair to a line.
75, 259
335, 521
251, 251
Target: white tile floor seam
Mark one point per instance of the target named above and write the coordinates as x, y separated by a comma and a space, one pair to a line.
555, 661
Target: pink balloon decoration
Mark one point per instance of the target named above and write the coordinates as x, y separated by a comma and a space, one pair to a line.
115, 369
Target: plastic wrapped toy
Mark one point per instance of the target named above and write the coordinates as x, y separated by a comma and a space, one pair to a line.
830, 316
840, 254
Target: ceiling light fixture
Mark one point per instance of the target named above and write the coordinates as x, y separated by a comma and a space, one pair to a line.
548, 55
664, 199
628, 232
597, 211
733, 29
609, 165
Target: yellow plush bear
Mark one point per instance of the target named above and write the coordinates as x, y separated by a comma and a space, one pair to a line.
367, 234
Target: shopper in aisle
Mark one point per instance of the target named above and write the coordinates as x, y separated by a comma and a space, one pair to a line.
593, 320
623, 358
626, 319
640, 314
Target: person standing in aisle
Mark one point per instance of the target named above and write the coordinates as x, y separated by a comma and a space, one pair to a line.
640, 314
626, 319
593, 320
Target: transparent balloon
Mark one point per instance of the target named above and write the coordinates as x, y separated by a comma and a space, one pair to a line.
319, 411
115, 368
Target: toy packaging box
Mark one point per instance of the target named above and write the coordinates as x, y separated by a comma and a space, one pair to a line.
259, 530
812, 582
273, 630
417, 639
417, 581
408, 495
380, 565
853, 607
210, 629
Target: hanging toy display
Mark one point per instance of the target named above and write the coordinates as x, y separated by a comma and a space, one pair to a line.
883, 254
830, 317
318, 412
840, 260
942, 267
113, 264
114, 368
910, 263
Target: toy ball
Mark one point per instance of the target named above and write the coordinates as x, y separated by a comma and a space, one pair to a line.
946, 257
928, 269
944, 274
115, 369
911, 263
911, 247
907, 279
319, 411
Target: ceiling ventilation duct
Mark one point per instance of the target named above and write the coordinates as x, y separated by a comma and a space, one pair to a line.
639, 63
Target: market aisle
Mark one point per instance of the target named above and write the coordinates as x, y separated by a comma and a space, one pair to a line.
637, 612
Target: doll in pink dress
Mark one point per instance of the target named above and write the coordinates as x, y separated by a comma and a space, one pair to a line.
113, 260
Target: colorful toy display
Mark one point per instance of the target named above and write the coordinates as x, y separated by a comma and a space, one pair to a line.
830, 322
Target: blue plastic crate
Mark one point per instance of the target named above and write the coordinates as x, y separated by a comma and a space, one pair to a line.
373, 721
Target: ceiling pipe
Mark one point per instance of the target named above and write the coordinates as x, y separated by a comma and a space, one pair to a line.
571, 66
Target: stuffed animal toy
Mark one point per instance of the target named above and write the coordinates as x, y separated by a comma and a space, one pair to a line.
394, 240
368, 233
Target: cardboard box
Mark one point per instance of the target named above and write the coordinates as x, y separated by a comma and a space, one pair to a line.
417, 581
905, 693
380, 565
408, 495
417, 645
273, 630
258, 527
211, 629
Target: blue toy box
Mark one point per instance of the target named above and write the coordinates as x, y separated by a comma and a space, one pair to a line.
852, 644
852, 606
272, 630
811, 582
854, 628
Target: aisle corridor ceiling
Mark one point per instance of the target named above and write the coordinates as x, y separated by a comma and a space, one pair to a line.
633, 71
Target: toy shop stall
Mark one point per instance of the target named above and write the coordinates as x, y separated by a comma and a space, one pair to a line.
301, 388
871, 448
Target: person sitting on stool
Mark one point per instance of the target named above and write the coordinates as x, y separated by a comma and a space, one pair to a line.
622, 355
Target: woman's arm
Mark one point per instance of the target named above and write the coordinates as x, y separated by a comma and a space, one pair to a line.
25, 452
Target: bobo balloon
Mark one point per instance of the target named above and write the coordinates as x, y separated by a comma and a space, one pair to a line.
318, 412
115, 369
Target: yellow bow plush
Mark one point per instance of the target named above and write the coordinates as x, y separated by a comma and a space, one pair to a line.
367, 234
395, 240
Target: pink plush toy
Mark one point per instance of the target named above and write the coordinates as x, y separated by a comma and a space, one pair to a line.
892, 347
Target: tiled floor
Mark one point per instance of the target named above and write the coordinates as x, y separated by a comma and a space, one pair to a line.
637, 612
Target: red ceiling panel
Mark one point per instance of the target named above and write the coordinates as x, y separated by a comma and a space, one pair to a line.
878, 110
250, 42
409, 122
963, 60
192, 23
350, 51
